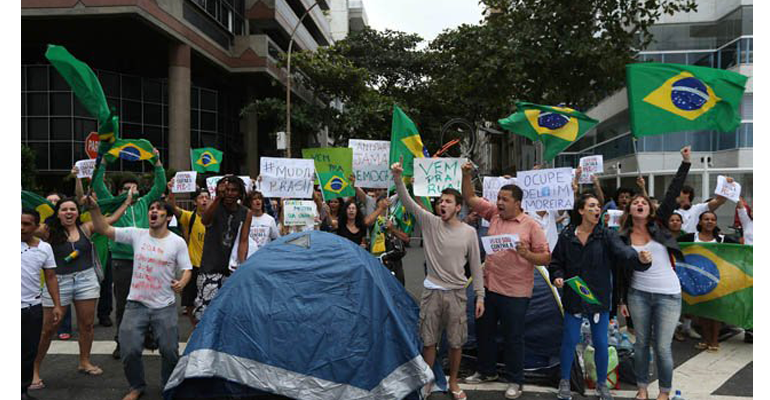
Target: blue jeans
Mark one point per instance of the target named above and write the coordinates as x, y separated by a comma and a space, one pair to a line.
661, 313
137, 318
511, 313
598, 336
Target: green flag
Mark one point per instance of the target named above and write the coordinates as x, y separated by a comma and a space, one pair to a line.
581, 288
556, 127
404, 220
334, 185
83, 81
405, 141
33, 201
718, 282
131, 150
206, 159
665, 98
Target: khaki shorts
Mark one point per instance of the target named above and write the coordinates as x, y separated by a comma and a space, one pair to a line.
444, 309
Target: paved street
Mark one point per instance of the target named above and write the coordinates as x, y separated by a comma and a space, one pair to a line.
726, 375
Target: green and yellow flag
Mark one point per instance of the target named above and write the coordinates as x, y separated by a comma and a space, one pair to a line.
581, 288
33, 201
334, 185
718, 282
206, 159
131, 150
665, 98
556, 127
405, 141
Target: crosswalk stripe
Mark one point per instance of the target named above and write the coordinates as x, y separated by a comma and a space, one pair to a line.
99, 347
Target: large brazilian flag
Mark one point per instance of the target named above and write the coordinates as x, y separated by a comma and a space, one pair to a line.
718, 282
666, 98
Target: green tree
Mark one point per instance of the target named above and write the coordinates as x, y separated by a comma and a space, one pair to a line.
28, 169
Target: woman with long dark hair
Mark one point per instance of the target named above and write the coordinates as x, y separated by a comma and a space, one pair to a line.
654, 296
351, 224
589, 250
77, 279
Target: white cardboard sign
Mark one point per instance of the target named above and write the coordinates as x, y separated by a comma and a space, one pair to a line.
432, 175
614, 220
184, 182
492, 186
85, 168
370, 163
547, 189
591, 165
730, 190
287, 177
498, 243
299, 212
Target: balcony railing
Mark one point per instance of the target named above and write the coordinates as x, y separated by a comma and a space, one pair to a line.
736, 52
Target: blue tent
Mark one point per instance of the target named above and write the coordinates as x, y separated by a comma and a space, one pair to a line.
312, 316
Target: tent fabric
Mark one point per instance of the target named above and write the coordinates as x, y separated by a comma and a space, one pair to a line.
310, 315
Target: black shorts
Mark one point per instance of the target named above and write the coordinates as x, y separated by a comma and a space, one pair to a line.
191, 290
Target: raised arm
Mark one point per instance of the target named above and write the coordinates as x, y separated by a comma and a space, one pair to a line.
669, 204
360, 194
410, 205
159, 185
100, 223
469, 193
598, 189
717, 201
171, 199
98, 183
114, 217
642, 185
79, 193
575, 184
382, 207
208, 215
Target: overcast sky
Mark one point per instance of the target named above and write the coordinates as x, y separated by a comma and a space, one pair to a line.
424, 17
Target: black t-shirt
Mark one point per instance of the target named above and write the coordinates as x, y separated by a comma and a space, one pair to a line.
220, 239
356, 238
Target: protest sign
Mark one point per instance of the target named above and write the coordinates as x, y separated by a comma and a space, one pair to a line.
184, 182
370, 163
299, 213
546, 189
497, 243
730, 190
591, 165
432, 175
614, 218
331, 159
85, 168
492, 186
286, 177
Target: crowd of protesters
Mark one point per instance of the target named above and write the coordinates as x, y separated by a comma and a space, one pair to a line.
628, 268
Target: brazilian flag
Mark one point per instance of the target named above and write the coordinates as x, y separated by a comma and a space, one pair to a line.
556, 127
405, 141
206, 159
334, 185
665, 98
718, 282
131, 150
404, 220
581, 288
377, 238
32, 201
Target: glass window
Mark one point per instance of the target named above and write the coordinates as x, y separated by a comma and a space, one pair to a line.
23, 104
132, 131
38, 128
195, 137
154, 135
37, 103
152, 114
208, 139
23, 78
747, 21
728, 56
132, 111
132, 87
700, 141
747, 107
151, 91
208, 100
110, 83
702, 59
41, 154
57, 82
746, 133
61, 104
194, 98
194, 119
63, 156
37, 78
78, 110
79, 148
208, 121
83, 127
674, 141
675, 58
61, 129
23, 129
113, 102
727, 140
651, 143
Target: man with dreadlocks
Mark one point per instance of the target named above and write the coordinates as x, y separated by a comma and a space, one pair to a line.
223, 218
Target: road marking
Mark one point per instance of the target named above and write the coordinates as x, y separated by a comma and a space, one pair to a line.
99, 347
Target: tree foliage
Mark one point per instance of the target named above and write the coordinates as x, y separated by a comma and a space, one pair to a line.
28, 169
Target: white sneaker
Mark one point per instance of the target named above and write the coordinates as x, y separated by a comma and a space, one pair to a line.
692, 334
513, 391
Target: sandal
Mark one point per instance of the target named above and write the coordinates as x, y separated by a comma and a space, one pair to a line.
701, 346
64, 336
459, 395
93, 371
713, 349
36, 386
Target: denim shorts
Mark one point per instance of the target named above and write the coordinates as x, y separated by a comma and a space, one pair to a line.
82, 285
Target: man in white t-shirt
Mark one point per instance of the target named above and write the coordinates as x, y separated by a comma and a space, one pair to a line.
35, 255
690, 213
158, 255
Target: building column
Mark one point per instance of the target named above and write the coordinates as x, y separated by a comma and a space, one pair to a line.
179, 107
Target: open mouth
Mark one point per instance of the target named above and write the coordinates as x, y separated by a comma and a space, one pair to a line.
640, 210
153, 217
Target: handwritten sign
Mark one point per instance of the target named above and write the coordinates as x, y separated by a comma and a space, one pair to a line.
432, 175
331, 159
211, 184
85, 168
370, 163
730, 190
498, 243
287, 177
184, 182
614, 218
299, 213
547, 189
492, 186
592, 165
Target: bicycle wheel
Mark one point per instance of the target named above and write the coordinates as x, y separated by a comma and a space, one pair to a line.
464, 133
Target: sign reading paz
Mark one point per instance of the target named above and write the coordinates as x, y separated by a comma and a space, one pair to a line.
287, 177
370, 163
299, 213
498, 243
732, 191
547, 189
432, 175
591, 166
184, 182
